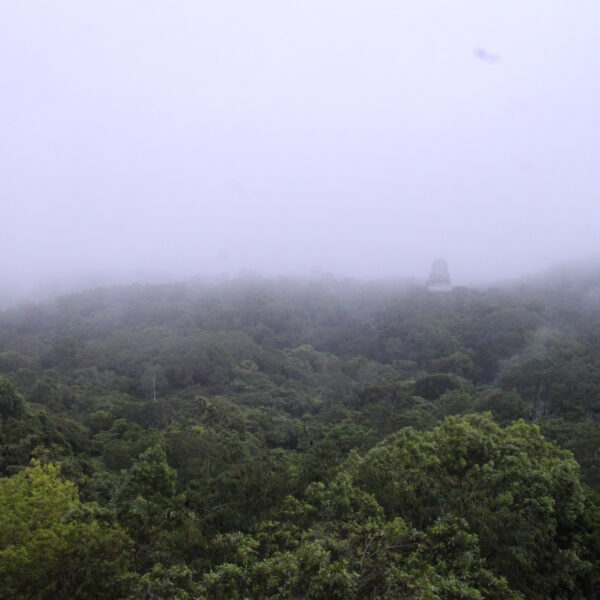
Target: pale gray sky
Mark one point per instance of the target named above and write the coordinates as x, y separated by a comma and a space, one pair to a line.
365, 138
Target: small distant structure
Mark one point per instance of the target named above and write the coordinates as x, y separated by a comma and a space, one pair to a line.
439, 279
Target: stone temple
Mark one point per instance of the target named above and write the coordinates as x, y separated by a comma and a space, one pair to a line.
439, 280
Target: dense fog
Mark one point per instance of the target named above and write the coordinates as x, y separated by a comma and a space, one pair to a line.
154, 141
299, 299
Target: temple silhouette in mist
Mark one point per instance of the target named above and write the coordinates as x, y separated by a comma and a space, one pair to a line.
439, 278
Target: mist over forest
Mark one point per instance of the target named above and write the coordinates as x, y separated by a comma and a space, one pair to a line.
299, 300
278, 437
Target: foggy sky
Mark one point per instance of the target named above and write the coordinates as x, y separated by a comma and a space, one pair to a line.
168, 139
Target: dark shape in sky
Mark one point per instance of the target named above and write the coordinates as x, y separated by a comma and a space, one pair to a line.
486, 56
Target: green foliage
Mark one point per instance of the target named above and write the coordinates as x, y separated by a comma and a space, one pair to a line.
51, 546
557, 376
284, 439
340, 545
505, 406
37, 434
48, 393
433, 386
162, 583
11, 402
520, 494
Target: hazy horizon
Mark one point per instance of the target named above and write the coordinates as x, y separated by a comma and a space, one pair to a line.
160, 141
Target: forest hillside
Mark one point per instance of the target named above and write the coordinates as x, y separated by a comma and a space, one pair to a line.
321, 439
